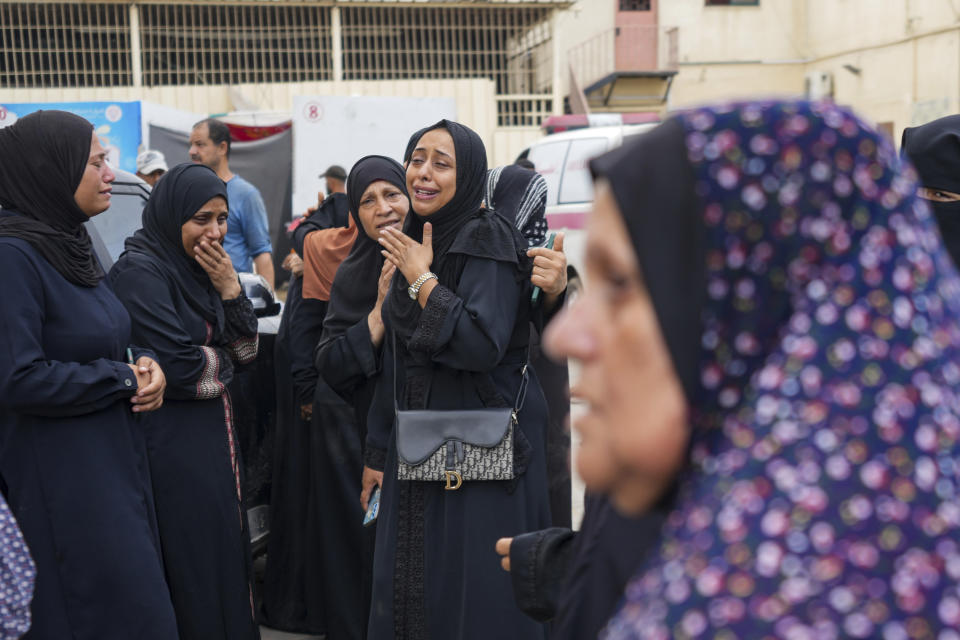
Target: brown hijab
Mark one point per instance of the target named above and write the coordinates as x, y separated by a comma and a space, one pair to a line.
323, 251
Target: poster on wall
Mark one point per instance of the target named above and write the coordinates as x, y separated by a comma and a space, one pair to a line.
340, 130
117, 124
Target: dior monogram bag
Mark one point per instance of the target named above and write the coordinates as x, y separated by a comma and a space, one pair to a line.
459, 445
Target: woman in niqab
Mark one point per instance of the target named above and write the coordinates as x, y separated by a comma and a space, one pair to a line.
73, 396
811, 344
934, 151
186, 302
461, 344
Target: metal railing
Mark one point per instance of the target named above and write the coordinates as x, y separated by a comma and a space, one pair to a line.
523, 110
234, 44
625, 48
178, 43
64, 44
502, 43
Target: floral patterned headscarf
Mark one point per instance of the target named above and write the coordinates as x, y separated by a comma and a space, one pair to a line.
821, 496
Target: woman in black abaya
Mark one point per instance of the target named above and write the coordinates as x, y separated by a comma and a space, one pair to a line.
348, 359
72, 454
186, 302
461, 344
310, 451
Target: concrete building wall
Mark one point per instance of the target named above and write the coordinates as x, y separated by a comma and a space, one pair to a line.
767, 32
878, 22
899, 66
584, 34
698, 84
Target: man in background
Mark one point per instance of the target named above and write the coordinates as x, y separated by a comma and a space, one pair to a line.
334, 210
248, 239
150, 166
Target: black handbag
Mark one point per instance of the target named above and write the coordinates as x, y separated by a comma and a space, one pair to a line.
458, 445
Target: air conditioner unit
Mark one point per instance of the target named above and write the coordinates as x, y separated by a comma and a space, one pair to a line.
818, 84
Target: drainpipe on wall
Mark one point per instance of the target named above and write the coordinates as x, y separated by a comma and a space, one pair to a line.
336, 44
557, 54
136, 63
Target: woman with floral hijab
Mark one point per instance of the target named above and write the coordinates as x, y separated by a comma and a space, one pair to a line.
796, 313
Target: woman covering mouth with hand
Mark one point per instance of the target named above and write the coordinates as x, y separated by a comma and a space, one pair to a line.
186, 302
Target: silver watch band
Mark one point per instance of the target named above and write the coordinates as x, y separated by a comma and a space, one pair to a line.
414, 289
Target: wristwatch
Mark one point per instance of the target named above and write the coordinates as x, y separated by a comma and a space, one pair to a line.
414, 289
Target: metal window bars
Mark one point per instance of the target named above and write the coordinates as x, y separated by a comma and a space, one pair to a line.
64, 44
91, 44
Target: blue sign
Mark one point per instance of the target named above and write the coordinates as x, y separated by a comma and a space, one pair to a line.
116, 123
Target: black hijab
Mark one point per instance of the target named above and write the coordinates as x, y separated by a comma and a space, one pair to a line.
43, 157
175, 198
519, 195
654, 186
354, 291
934, 149
462, 228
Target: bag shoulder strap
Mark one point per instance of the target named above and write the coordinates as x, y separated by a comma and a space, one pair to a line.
517, 403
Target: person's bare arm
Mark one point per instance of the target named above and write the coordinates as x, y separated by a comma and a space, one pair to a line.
264, 266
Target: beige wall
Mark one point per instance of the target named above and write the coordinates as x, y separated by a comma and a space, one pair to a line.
766, 32
902, 58
698, 84
476, 102
878, 22
583, 27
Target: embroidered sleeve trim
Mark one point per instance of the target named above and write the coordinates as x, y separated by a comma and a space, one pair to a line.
427, 335
244, 350
209, 385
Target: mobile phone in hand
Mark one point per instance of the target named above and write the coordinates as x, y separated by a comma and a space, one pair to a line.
535, 296
373, 508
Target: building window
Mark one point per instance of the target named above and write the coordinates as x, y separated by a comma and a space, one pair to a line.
234, 44
511, 45
714, 3
64, 45
634, 5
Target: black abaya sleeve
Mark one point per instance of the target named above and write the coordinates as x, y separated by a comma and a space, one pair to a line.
240, 329
306, 325
470, 329
29, 382
381, 416
192, 371
538, 570
349, 360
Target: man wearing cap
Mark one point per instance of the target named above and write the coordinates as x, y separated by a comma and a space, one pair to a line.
150, 166
247, 241
335, 209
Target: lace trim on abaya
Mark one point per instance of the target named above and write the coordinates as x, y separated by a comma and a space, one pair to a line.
427, 335
409, 600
